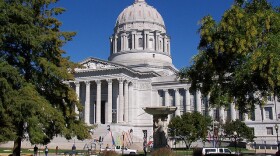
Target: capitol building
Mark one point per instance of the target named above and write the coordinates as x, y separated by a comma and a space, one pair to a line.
139, 73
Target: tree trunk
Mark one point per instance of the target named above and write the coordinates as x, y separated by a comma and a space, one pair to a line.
17, 147
17, 142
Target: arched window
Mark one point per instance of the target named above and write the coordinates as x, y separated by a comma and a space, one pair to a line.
140, 42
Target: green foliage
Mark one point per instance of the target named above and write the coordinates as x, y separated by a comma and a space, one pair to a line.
163, 152
239, 55
190, 127
34, 99
241, 129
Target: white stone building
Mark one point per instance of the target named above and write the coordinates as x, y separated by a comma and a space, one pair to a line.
139, 73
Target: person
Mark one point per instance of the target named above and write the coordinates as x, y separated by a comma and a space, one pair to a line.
56, 150
73, 149
35, 150
46, 151
107, 146
145, 146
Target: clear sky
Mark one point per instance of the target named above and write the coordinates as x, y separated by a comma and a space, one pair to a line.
94, 21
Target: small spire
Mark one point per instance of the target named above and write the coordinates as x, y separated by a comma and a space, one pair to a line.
137, 1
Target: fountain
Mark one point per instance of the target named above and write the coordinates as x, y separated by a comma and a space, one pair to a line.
160, 116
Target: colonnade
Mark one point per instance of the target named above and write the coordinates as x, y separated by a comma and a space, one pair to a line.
154, 41
118, 98
177, 100
199, 103
123, 97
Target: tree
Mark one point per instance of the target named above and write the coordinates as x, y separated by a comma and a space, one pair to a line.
239, 56
34, 100
243, 132
190, 127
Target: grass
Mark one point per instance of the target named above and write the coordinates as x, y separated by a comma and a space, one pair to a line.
30, 151
188, 152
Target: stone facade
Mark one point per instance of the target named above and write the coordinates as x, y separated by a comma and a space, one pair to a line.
140, 74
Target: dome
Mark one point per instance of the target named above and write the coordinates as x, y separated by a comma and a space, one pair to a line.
140, 11
140, 40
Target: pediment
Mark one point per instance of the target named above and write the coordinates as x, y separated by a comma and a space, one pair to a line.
97, 64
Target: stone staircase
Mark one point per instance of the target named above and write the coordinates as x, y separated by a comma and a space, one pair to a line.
118, 135
117, 131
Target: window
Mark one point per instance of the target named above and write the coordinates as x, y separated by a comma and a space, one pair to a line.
151, 43
252, 130
140, 42
252, 115
119, 44
269, 130
241, 116
130, 42
216, 115
268, 113
270, 98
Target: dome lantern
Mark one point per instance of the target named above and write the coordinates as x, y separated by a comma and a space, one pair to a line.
136, 1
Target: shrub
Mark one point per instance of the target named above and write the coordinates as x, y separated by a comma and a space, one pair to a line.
109, 153
163, 152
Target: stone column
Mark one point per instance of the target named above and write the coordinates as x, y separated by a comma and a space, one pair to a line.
156, 41
122, 42
258, 113
131, 102
125, 42
222, 114
110, 101
169, 47
164, 43
177, 102
133, 40
158, 99
232, 112
120, 109
263, 114
198, 101
98, 102
87, 103
187, 98
111, 45
77, 84
145, 40
211, 113
126, 102
166, 97
246, 117
115, 44
136, 41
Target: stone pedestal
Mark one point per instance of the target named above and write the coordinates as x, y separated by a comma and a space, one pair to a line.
160, 116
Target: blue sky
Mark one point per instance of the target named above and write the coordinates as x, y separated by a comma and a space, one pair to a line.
94, 21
